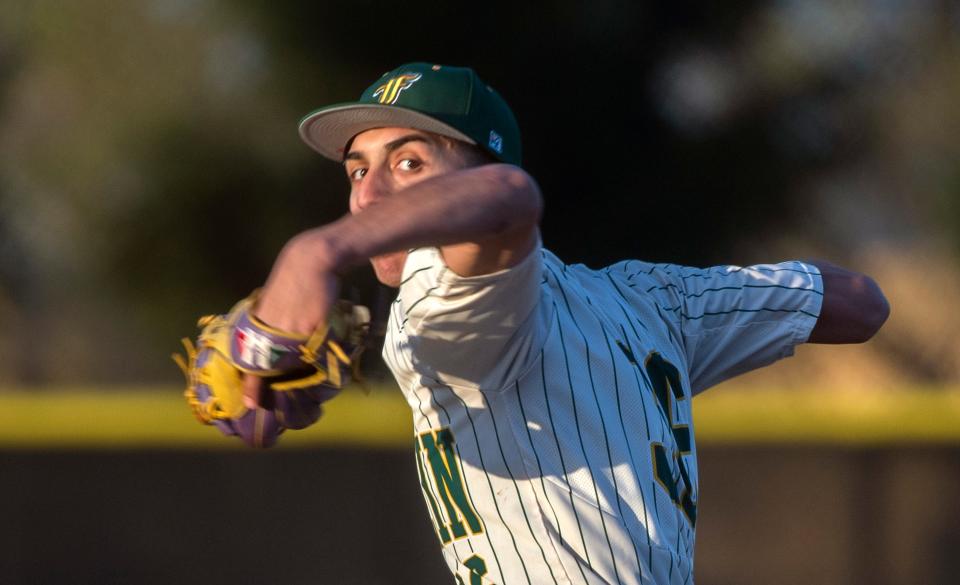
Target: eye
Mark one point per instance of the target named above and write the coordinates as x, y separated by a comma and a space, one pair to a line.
357, 173
409, 164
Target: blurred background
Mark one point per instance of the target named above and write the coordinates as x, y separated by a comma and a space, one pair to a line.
150, 171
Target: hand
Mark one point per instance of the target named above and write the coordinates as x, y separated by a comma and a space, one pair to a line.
297, 297
854, 308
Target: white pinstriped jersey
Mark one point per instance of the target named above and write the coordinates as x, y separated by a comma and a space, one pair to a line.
552, 405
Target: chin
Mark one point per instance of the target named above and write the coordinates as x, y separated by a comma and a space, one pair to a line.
389, 268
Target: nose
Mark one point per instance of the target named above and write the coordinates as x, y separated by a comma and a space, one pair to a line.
370, 190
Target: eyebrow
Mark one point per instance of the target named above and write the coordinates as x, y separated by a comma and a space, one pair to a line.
390, 146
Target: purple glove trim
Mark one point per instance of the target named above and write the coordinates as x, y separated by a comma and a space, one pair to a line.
296, 409
256, 349
258, 428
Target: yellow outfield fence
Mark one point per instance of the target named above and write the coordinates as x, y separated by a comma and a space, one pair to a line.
919, 415
160, 418
78, 418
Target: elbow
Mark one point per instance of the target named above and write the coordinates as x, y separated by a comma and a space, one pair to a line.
521, 195
874, 310
854, 309
878, 309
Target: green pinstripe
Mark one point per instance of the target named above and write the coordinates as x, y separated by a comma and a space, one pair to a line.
414, 273
452, 545
536, 456
713, 271
493, 494
643, 405
760, 310
496, 557
496, 434
626, 440
603, 424
426, 295
720, 288
563, 464
576, 417
624, 297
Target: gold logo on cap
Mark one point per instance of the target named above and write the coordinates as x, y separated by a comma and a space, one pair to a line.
389, 92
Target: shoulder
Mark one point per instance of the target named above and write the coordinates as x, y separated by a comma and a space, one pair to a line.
470, 332
431, 291
660, 285
423, 267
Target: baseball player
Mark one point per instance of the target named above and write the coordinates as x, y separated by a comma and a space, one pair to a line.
551, 403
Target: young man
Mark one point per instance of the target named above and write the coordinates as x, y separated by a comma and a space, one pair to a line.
551, 402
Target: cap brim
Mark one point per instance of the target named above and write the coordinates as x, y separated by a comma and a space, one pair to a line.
328, 130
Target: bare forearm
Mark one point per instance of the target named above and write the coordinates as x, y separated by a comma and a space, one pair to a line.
483, 218
480, 205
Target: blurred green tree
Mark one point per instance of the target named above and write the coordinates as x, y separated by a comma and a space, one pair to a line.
150, 168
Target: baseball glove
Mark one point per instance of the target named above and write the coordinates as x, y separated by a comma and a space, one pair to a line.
300, 372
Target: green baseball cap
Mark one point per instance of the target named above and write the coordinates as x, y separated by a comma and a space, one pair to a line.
450, 101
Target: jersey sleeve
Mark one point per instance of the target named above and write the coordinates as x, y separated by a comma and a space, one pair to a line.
469, 332
734, 319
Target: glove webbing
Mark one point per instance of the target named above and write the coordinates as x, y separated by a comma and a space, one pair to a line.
206, 412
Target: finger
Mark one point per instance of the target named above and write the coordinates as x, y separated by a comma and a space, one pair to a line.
253, 391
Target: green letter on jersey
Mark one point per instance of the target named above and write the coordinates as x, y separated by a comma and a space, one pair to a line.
442, 531
478, 568
438, 446
665, 378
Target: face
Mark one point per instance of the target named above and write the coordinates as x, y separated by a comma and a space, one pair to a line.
383, 162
